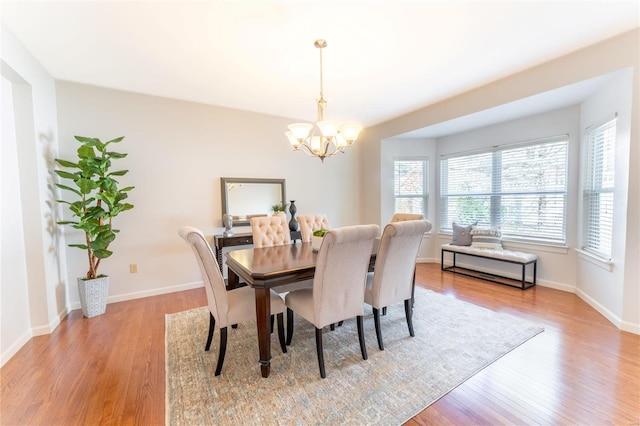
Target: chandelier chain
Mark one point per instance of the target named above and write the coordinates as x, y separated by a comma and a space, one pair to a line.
321, 79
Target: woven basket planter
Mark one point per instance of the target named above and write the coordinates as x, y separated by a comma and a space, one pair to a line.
93, 295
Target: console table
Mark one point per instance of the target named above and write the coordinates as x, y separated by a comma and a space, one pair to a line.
240, 239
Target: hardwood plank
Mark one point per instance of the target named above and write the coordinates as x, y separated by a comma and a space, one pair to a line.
110, 369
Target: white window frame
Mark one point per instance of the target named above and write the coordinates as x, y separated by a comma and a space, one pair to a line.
424, 196
494, 196
597, 183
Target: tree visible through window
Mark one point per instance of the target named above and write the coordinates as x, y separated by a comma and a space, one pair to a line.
520, 189
597, 193
410, 186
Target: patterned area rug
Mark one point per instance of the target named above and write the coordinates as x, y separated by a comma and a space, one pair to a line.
454, 340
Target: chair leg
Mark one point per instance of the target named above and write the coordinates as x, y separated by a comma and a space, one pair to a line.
212, 325
376, 321
363, 347
384, 311
271, 324
289, 326
223, 350
283, 344
408, 310
332, 327
320, 351
340, 323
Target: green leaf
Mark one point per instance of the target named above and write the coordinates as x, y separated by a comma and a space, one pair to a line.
86, 185
116, 155
66, 222
86, 151
116, 140
119, 173
80, 246
88, 141
102, 253
66, 175
75, 191
65, 163
128, 188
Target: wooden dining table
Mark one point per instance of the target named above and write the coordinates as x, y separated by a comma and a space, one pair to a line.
266, 268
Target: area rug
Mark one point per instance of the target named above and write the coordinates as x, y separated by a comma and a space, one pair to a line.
454, 340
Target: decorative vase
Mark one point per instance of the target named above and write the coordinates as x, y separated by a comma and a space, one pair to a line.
93, 295
293, 223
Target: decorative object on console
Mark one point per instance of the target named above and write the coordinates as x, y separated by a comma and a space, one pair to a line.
329, 137
278, 208
488, 238
293, 223
462, 234
227, 221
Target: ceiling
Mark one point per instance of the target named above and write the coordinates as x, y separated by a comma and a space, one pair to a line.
383, 59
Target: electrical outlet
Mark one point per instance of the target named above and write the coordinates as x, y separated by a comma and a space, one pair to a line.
133, 268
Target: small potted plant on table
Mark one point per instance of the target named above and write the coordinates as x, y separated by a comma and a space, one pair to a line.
316, 238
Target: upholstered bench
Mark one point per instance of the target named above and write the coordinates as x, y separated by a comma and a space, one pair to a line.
509, 256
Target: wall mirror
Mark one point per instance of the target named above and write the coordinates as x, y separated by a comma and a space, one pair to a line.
244, 198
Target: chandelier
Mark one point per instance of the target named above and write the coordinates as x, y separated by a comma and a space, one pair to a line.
326, 138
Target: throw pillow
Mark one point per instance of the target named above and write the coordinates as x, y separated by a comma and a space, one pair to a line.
462, 234
488, 238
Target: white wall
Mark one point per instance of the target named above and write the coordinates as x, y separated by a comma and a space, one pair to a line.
407, 148
177, 152
602, 286
33, 98
15, 327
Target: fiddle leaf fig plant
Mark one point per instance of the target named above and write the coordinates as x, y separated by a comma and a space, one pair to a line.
98, 197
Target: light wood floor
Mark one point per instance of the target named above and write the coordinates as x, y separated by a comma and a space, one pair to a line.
110, 369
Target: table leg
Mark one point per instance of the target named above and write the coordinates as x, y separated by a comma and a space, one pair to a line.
263, 315
232, 279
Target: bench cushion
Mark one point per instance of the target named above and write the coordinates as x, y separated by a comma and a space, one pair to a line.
513, 256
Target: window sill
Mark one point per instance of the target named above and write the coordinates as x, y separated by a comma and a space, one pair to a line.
537, 246
599, 262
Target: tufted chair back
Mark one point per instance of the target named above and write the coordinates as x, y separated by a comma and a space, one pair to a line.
341, 271
270, 231
310, 223
213, 281
401, 217
392, 280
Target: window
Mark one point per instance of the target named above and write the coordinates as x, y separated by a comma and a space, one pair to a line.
521, 189
410, 186
597, 193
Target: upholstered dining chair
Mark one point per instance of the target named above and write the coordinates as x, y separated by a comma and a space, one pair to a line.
270, 231
393, 278
401, 217
312, 222
226, 307
338, 284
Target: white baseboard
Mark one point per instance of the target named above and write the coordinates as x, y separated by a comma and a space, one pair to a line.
14, 348
543, 283
147, 293
613, 318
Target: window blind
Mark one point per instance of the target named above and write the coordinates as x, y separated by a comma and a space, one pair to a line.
598, 187
520, 189
410, 186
